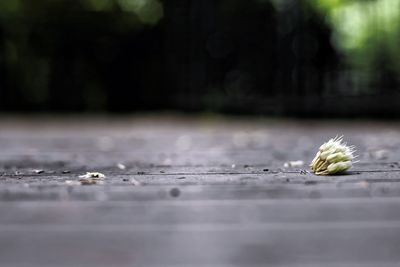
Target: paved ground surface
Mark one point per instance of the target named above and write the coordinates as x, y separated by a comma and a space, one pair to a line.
195, 192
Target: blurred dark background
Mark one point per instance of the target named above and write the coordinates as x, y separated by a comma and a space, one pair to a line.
276, 57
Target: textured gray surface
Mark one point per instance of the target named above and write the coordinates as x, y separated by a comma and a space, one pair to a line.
206, 192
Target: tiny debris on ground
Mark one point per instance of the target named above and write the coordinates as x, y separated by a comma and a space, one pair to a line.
94, 175
135, 182
121, 166
92, 178
303, 171
293, 164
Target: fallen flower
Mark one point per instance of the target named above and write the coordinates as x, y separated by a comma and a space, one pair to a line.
333, 157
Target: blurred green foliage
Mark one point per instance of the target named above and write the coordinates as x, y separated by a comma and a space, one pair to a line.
85, 54
35, 34
367, 32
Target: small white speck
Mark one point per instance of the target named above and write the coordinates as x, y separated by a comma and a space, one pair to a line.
296, 163
121, 166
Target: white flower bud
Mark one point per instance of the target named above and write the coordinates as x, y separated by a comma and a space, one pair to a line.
333, 157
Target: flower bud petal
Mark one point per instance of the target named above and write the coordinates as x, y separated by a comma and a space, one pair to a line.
339, 167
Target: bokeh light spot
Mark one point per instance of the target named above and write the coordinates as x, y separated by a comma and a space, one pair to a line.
148, 11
